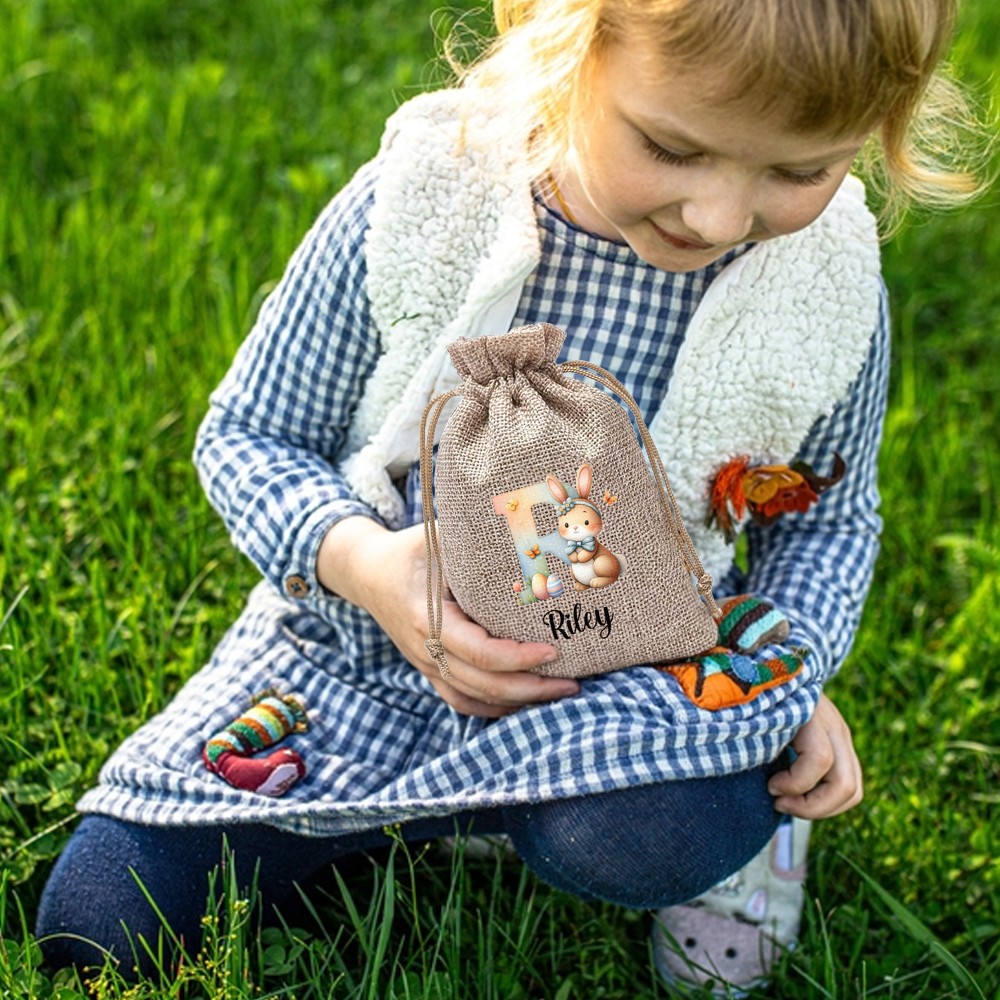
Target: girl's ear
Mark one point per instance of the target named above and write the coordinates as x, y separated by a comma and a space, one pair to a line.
584, 480
556, 488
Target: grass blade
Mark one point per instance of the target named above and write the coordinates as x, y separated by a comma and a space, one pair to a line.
922, 933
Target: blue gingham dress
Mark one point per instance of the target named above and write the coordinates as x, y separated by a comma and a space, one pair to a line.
382, 746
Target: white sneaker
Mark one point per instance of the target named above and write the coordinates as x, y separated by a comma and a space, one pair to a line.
729, 937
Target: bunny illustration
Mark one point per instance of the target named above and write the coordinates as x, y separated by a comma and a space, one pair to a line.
580, 521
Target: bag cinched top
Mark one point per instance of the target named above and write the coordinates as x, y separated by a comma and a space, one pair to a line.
551, 526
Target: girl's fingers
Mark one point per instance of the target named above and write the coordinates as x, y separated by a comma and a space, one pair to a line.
831, 796
495, 672
472, 644
499, 690
499, 694
468, 706
825, 779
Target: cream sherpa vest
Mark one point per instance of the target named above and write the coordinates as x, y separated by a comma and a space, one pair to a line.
775, 343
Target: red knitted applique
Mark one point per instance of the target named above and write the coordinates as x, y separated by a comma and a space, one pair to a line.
765, 491
230, 752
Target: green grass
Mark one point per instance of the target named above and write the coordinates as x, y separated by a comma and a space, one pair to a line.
160, 161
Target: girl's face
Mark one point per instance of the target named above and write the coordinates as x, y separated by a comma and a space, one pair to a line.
682, 179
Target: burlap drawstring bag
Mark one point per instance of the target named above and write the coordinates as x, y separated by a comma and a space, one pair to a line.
550, 526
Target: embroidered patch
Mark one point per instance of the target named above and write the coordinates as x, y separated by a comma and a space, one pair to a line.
229, 753
765, 492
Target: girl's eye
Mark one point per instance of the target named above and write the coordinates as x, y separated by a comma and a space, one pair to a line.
676, 159
658, 152
816, 177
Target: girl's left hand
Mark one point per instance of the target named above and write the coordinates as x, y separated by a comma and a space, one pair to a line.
825, 778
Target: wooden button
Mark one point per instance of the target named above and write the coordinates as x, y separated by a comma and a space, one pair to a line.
296, 586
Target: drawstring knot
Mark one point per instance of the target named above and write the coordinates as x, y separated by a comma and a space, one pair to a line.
436, 648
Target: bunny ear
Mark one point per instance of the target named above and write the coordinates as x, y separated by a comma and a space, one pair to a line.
556, 488
584, 480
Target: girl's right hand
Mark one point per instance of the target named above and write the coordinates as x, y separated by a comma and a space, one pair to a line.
489, 676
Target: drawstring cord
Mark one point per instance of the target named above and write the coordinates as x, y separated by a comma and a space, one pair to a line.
670, 505
432, 546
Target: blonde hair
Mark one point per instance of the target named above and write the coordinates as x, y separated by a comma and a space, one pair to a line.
833, 67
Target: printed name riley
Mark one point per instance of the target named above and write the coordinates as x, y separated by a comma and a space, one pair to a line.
565, 625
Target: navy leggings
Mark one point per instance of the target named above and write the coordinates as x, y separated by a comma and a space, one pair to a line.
645, 847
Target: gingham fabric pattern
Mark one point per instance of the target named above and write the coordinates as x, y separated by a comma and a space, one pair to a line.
382, 746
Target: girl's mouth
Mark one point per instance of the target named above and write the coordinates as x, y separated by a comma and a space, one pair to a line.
680, 242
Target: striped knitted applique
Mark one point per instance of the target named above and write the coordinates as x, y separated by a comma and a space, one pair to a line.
748, 623
729, 674
229, 753
765, 492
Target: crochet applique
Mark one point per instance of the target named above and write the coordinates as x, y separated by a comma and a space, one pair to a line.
729, 674
765, 491
722, 678
269, 720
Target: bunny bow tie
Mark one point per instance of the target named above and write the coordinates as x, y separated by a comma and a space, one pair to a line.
588, 543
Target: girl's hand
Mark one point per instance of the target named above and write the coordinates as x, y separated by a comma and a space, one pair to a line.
825, 779
385, 572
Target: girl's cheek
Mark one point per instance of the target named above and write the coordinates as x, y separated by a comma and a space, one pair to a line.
639, 192
792, 214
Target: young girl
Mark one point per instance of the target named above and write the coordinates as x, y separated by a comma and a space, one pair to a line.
669, 183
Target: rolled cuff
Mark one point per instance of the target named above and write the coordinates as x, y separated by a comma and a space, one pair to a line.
296, 578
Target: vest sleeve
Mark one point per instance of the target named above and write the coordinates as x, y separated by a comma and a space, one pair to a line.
265, 451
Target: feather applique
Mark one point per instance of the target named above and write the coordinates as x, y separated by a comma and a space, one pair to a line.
765, 491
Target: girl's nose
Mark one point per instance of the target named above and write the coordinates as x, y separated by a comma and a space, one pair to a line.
719, 214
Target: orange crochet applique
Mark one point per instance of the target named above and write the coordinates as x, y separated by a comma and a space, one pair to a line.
765, 491
721, 678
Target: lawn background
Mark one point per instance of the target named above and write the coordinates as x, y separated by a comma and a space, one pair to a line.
159, 162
